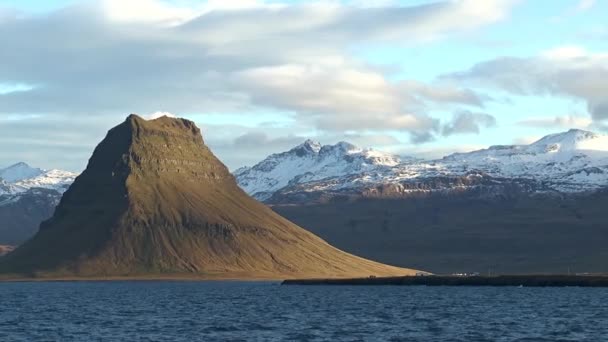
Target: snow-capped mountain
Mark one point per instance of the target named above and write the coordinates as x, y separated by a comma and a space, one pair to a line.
19, 171
572, 161
28, 196
310, 162
21, 177
52, 179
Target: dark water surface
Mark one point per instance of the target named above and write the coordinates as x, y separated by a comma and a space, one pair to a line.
238, 311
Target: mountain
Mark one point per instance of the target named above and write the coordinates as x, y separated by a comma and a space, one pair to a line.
568, 162
19, 172
571, 161
21, 214
310, 162
27, 199
537, 208
21, 177
154, 200
468, 232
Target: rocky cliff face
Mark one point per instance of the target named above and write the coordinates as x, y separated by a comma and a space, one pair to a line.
155, 200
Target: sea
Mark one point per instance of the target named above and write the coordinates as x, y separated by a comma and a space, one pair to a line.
268, 311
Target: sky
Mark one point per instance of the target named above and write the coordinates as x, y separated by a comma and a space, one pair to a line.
418, 78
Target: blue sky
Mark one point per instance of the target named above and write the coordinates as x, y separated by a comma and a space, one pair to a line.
423, 78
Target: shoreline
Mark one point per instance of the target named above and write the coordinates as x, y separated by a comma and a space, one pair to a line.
438, 280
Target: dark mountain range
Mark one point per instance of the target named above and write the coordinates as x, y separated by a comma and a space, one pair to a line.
28, 196
154, 200
467, 231
21, 214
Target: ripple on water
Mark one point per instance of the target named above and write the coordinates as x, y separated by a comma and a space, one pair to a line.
245, 311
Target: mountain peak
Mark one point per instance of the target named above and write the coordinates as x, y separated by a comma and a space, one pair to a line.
573, 139
307, 162
18, 172
307, 147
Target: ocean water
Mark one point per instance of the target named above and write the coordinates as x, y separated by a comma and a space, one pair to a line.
245, 311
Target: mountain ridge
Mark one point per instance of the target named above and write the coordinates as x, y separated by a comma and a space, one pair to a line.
572, 161
317, 161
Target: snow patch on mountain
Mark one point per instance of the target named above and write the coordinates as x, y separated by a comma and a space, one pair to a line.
53, 179
7, 188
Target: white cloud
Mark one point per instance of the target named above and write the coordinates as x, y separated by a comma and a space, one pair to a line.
107, 57
157, 115
585, 5
565, 53
333, 96
221, 59
7, 88
569, 71
466, 122
151, 11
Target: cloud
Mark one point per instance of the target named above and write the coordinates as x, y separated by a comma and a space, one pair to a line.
261, 139
331, 95
12, 88
440, 93
585, 5
145, 11
569, 71
157, 115
114, 55
249, 146
569, 121
465, 122
99, 59
370, 140
60, 141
